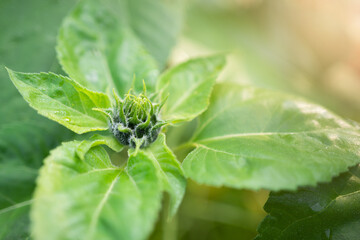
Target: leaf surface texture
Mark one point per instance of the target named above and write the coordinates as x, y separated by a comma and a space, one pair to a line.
251, 138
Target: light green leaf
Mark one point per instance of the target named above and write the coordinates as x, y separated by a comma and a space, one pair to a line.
251, 138
97, 48
92, 199
188, 86
62, 100
328, 211
170, 171
96, 140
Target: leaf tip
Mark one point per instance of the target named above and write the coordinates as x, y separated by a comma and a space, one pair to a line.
10, 72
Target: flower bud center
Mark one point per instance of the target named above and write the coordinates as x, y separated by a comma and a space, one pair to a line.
135, 121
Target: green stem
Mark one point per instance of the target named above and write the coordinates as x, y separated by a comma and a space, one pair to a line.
169, 228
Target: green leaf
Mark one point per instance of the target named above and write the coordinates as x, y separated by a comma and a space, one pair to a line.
170, 171
97, 48
96, 140
254, 139
157, 24
27, 40
92, 199
15, 221
188, 86
23, 146
62, 100
328, 211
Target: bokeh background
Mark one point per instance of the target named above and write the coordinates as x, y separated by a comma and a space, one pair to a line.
306, 47
309, 48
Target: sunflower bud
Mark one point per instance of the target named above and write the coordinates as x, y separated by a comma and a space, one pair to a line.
135, 120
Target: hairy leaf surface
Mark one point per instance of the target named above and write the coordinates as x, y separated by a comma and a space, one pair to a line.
92, 199
188, 86
97, 48
251, 138
328, 211
63, 100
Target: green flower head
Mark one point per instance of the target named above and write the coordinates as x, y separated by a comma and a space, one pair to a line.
134, 120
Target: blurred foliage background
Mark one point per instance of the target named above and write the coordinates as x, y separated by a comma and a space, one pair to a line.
309, 48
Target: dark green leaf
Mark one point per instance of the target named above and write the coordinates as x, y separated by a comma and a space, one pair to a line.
23, 146
27, 40
15, 221
328, 211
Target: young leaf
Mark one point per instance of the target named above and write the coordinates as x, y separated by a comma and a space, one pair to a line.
97, 140
92, 199
328, 211
170, 170
97, 48
62, 100
255, 139
188, 86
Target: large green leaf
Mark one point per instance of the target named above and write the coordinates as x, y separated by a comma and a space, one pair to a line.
120, 199
328, 211
63, 100
92, 199
170, 170
251, 138
188, 86
98, 49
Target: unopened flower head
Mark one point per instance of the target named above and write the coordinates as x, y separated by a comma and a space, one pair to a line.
134, 120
